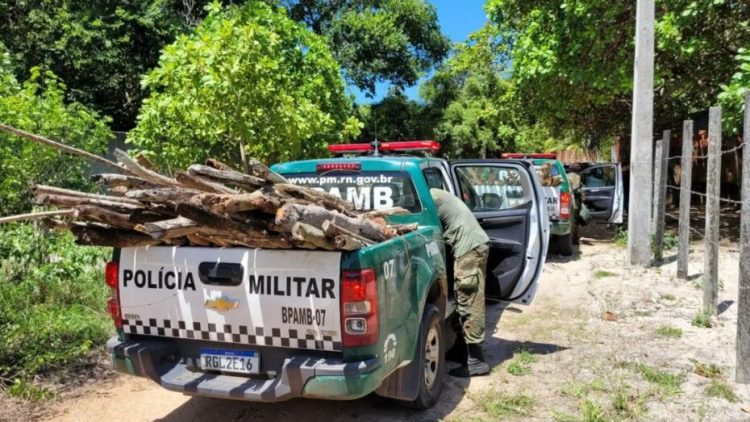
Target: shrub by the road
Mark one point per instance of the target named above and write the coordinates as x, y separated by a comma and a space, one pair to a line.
52, 305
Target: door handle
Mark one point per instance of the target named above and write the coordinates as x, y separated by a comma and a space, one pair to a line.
220, 273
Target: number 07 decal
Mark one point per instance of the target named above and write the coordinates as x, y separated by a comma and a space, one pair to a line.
389, 269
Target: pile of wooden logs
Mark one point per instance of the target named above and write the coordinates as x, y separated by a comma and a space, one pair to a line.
209, 205
545, 174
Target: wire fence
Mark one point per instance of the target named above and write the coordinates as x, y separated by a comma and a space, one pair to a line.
715, 210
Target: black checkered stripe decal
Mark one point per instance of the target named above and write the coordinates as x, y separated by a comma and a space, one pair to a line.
226, 333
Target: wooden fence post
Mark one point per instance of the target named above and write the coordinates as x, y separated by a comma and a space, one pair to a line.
660, 193
713, 209
743, 302
686, 184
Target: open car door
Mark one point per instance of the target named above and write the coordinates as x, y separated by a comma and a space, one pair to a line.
603, 192
507, 199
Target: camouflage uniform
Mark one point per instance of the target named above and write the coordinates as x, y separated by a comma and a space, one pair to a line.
470, 246
469, 276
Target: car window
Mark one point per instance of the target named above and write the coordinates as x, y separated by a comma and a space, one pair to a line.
492, 188
365, 190
434, 179
599, 177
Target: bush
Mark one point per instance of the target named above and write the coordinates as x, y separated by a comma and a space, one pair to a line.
52, 303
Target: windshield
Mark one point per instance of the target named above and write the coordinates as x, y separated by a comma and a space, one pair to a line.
367, 191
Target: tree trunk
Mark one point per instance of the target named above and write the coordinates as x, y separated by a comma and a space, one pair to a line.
112, 180
201, 183
312, 236
111, 237
142, 172
315, 216
231, 177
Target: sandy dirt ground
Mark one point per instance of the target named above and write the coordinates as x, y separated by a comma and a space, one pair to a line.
603, 341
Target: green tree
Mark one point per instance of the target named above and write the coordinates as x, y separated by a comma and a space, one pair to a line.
572, 60
98, 48
376, 40
38, 105
247, 76
395, 118
469, 97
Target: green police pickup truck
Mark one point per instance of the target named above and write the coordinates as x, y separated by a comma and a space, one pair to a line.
272, 325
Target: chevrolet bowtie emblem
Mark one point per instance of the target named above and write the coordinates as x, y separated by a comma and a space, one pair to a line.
222, 304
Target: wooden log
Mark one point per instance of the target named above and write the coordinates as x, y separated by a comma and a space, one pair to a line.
201, 183
348, 243
52, 190
218, 165
38, 216
262, 171
230, 177
149, 215
333, 230
98, 235
111, 181
315, 216
310, 235
75, 201
315, 197
169, 229
197, 240
404, 228
386, 212
61, 147
105, 216
232, 204
161, 195
135, 168
56, 224
141, 159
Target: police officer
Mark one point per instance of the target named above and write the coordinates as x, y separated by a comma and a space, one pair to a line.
470, 247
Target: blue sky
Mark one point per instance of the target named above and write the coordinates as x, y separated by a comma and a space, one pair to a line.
458, 19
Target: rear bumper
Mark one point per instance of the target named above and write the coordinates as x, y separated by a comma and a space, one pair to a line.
560, 228
299, 376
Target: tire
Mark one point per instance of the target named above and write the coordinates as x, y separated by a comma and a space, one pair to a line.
576, 235
431, 355
564, 244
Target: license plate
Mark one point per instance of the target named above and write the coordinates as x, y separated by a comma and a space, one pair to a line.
553, 208
235, 361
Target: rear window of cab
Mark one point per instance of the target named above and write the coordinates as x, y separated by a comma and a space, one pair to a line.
367, 191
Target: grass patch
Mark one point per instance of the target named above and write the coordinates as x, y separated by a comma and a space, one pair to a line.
520, 365
629, 406
603, 274
702, 319
707, 370
669, 331
500, 405
667, 382
723, 390
592, 411
667, 296
580, 390
643, 313
52, 306
621, 239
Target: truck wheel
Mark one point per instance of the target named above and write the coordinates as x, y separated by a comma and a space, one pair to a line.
564, 244
432, 360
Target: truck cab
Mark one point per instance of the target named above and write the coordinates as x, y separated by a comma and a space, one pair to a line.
271, 325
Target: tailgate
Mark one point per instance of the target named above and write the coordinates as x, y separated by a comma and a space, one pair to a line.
552, 199
281, 298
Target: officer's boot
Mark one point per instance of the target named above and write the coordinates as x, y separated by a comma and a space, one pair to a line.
475, 365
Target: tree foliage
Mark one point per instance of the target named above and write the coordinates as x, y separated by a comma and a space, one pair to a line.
395, 118
38, 105
572, 59
248, 75
98, 48
376, 40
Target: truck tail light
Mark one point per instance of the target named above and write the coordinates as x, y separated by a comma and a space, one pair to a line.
111, 278
359, 308
565, 199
